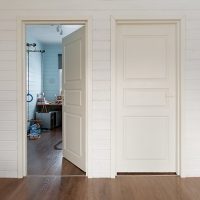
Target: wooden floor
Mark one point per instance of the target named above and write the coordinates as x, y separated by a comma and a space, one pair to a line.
43, 159
53, 186
81, 188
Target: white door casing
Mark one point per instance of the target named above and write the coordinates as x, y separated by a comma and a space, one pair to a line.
21, 77
74, 105
146, 96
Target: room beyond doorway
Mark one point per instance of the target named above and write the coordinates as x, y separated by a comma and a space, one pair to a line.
44, 85
49, 156
23, 70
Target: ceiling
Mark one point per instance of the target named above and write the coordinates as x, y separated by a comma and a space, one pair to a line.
48, 34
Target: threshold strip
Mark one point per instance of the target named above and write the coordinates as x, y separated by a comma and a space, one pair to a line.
147, 173
46, 176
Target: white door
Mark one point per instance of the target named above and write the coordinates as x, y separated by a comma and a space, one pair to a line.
74, 105
146, 97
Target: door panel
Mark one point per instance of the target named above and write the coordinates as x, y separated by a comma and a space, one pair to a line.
146, 97
153, 66
140, 142
73, 58
73, 141
74, 98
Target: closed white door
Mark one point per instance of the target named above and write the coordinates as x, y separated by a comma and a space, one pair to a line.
74, 117
146, 97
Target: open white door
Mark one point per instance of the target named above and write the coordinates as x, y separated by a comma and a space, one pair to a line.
74, 118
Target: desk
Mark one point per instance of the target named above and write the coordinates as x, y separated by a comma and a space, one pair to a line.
49, 107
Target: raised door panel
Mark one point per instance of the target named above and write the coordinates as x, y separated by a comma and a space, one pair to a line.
145, 97
146, 138
73, 97
73, 60
74, 130
147, 59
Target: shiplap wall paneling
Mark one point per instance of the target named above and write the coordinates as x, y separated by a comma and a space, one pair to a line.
101, 11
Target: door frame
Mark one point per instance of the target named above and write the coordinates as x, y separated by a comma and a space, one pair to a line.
21, 84
179, 22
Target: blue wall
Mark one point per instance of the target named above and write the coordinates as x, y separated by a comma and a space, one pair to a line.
50, 71
43, 72
34, 74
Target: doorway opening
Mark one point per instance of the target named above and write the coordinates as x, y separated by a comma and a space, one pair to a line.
53, 144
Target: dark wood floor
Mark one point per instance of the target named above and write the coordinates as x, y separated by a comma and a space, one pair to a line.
127, 187
81, 188
43, 159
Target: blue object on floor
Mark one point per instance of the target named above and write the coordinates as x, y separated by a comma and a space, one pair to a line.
35, 130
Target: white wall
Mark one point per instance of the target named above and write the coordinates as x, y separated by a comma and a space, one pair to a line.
100, 10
